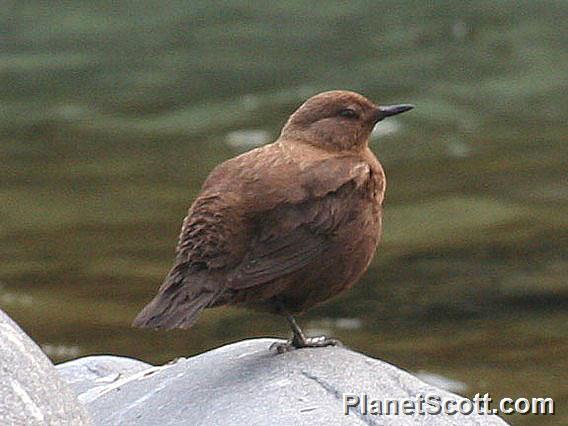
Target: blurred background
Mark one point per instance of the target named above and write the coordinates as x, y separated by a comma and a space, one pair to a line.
113, 113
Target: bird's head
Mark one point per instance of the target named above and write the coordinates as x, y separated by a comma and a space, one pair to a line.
337, 120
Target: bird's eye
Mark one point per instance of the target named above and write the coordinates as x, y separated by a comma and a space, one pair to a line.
348, 113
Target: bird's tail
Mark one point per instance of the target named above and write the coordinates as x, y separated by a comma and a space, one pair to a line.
177, 305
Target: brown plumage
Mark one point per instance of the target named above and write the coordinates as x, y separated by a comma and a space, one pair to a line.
283, 227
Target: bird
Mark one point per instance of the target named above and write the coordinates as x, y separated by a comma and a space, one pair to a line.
285, 226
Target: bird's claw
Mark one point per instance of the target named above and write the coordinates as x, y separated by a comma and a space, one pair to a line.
281, 348
308, 342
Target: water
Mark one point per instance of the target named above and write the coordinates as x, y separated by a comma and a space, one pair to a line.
111, 118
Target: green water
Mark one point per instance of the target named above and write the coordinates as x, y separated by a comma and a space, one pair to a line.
112, 116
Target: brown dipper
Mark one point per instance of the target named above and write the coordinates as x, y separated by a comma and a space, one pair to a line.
285, 226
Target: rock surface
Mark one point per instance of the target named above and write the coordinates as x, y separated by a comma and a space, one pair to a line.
96, 371
245, 383
31, 390
241, 383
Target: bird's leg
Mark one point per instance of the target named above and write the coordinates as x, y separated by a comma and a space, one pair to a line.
299, 339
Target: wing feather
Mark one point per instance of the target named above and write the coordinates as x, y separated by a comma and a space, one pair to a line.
274, 222
291, 237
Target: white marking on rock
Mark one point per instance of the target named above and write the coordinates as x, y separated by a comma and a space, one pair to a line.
95, 393
19, 390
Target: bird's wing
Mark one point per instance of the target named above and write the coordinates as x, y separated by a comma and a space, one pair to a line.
287, 248
264, 186
290, 235
259, 217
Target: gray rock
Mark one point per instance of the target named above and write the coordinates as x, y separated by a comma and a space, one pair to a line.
245, 383
99, 370
31, 391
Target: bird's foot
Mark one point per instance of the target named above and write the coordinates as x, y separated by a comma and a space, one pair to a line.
306, 342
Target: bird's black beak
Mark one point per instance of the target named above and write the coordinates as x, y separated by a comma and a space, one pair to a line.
387, 111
